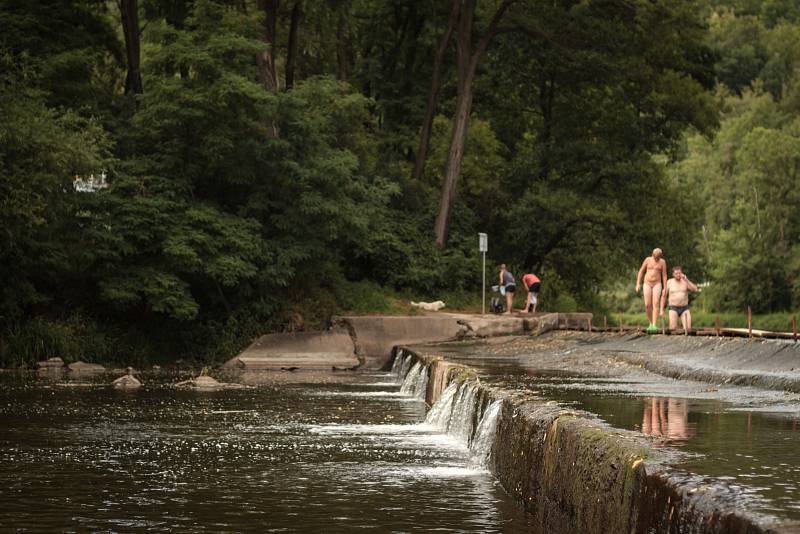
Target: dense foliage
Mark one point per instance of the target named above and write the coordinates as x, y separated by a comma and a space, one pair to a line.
746, 180
260, 175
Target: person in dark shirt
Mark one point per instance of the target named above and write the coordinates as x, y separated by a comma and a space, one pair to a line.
507, 287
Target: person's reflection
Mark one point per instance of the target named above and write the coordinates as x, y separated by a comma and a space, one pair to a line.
667, 417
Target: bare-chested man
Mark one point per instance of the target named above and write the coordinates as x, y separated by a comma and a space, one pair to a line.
654, 271
677, 293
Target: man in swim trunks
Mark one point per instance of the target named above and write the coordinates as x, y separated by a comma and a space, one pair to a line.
654, 270
677, 291
533, 285
509, 286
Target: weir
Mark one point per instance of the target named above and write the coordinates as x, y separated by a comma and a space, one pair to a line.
571, 472
463, 410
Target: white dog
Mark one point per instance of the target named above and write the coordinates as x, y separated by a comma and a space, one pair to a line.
429, 306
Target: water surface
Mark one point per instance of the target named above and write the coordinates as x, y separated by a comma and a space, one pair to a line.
343, 455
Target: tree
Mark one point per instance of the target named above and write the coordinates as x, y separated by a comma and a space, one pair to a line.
433, 93
40, 151
466, 64
266, 57
291, 54
129, 11
72, 46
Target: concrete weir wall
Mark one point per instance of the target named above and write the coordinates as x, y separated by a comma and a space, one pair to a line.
367, 341
575, 474
375, 336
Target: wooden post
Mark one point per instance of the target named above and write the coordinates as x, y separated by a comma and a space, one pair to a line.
663, 326
638, 326
749, 321
621, 322
605, 322
589, 323
794, 327
717, 325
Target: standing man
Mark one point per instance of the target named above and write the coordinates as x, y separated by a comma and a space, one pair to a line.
508, 287
677, 293
533, 285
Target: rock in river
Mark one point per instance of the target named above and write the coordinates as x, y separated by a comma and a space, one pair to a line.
50, 363
126, 381
205, 382
83, 367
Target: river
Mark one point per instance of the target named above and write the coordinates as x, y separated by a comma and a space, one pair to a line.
303, 454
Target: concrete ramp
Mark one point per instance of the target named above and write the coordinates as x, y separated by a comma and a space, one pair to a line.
330, 349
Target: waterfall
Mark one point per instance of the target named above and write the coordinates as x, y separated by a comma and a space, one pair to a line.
421, 387
416, 381
461, 411
405, 366
461, 422
410, 380
481, 446
397, 364
440, 412
458, 413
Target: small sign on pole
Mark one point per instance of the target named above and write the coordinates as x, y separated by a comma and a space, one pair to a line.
483, 247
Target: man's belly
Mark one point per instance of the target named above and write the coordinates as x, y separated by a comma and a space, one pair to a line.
680, 299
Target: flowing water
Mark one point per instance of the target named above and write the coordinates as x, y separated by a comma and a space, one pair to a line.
350, 454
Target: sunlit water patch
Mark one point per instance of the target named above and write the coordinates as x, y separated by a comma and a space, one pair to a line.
289, 457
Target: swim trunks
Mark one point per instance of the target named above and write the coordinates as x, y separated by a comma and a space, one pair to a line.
678, 309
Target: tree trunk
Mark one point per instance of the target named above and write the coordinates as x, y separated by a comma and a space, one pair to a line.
129, 11
546, 93
291, 53
266, 58
343, 46
433, 93
466, 62
454, 159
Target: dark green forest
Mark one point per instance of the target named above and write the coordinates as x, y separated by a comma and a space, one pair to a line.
268, 163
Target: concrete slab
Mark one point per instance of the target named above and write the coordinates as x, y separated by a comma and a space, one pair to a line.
330, 349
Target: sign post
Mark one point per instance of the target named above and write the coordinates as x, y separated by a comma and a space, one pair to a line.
483, 246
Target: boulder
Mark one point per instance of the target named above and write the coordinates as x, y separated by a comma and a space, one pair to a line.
127, 381
206, 382
51, 363
83, 367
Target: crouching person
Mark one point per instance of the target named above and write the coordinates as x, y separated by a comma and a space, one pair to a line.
677, 294
533, 285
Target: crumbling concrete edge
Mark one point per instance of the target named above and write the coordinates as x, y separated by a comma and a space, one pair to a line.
574, 473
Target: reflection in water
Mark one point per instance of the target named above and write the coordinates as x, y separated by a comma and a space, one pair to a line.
667, 417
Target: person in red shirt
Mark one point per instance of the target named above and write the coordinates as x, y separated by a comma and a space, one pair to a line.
533, 285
